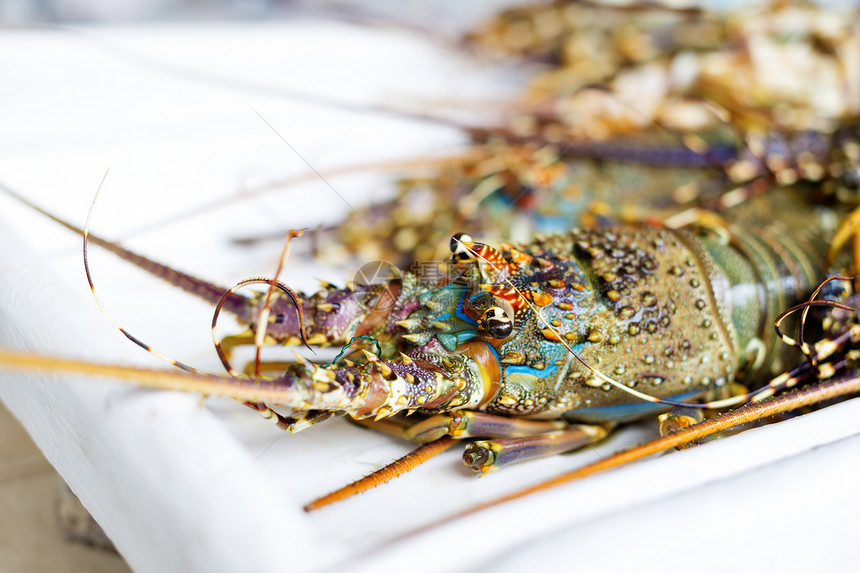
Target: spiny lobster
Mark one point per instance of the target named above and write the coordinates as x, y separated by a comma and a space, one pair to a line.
593, 326
552, 329
458, 310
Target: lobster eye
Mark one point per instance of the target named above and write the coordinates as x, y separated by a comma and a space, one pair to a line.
496, 323
458, 249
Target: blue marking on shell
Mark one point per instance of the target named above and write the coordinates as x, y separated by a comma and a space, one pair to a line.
477, 295
529, 371
464, 335
624, 412
461, 314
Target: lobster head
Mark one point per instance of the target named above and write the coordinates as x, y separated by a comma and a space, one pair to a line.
490, 329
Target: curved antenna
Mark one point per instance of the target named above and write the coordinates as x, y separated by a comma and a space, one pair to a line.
104, 311
192, 285
264, 319
278, 185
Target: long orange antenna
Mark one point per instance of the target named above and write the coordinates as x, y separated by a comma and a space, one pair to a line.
395, 469
827, 390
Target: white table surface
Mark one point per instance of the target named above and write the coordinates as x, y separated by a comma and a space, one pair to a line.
182, 485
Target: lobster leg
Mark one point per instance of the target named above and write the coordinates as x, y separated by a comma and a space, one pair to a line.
486, 456
468, 424
513, 439
842, 386
678, 419
300, 419
481, 456
535, 438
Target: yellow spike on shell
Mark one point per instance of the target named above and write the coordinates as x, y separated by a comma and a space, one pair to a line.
299, 358
551, 334
416, 338
410, 324
541, 298
513, 357
384, 369
383, 412
317, 339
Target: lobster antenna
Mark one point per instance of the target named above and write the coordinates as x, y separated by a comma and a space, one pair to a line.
568, 147
263, 320
192, 285
246, 390
814, 354
827, 390
261, 325
104, 311
271, 186
385, 474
